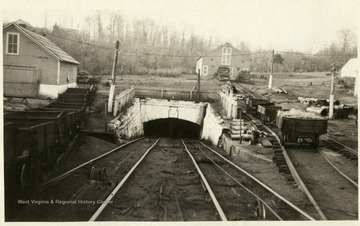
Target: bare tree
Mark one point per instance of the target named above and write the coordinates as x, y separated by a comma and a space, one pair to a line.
99, 26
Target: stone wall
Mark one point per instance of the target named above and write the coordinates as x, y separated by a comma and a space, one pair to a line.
129, 124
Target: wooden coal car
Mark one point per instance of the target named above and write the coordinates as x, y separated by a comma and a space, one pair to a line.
35, 140
268, 113
252, 104
301, 130
31, 150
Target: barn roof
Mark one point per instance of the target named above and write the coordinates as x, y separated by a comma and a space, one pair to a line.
226, 44
45, 43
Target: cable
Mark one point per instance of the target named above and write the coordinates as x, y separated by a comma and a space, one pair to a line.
192, 56
147, 53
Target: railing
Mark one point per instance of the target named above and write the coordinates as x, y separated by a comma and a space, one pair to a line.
122, 99
185, 95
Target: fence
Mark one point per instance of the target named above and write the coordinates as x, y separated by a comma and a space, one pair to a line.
122, 99
176, 95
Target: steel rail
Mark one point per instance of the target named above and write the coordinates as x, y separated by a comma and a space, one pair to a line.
211, 193
242, 89
121, 183
341, 173
248, 190
297, 177
253, 94
64, 175
353, 151
307, 216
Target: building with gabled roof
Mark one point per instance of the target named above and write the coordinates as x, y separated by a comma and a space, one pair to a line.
33, 65
351, 68
224, 55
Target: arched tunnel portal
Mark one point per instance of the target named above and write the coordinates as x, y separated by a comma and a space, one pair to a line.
172, 127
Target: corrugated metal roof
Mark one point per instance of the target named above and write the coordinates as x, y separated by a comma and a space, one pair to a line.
47, 44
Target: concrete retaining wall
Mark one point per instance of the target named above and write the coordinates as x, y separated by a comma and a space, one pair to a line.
212, 126
152, 109
241, 153
129, 125
229, 104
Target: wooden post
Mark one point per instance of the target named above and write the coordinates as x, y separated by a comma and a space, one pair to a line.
272, 70
199, 85
105, 117
240, 126
331, 106
113, 78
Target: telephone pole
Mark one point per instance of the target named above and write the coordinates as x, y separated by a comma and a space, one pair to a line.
198, 85
272, 70
331, 107
113, 77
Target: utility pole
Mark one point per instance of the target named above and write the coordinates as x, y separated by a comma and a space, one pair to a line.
240, 116
113, 77
331, 107
198, 85
272, 70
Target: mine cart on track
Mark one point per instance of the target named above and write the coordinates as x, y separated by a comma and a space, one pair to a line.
252, 104
299, 131
31, 150
268, 113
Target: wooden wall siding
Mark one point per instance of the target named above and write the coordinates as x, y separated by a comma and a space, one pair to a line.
67, 70
213, 61
21, 82
30, 54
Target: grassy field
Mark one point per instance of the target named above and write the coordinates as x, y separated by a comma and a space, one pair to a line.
181, 82
315, 84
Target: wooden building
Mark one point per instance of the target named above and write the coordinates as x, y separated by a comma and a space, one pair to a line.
33, 65
224, 55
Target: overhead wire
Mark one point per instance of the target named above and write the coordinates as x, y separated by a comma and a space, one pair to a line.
194, 56
146, 53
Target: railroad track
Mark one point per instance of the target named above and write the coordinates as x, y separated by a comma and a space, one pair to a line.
340, 147
72, 195
244, 88
233, 185
182, 190
333, 191
330, 203
162, 186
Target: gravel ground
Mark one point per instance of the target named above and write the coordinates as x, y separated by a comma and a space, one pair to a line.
265, 172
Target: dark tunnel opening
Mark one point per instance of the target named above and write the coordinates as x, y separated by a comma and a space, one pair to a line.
172, 127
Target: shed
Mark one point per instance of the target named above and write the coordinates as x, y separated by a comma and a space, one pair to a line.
33, 65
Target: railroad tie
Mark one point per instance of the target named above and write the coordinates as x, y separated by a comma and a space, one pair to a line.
98, 174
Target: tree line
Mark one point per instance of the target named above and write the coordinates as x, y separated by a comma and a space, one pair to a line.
148, 47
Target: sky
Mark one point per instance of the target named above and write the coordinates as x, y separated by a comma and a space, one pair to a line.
300, 25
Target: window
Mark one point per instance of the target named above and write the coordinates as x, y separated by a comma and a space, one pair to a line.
238, 68
12, 46
205, 70
226, 56
211, 59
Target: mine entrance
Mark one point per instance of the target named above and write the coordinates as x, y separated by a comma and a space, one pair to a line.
172, 128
